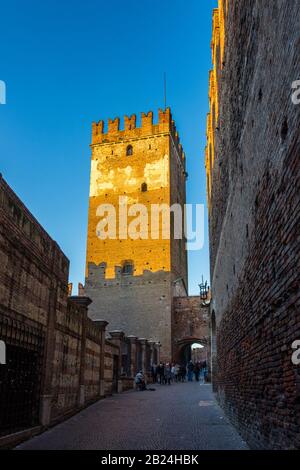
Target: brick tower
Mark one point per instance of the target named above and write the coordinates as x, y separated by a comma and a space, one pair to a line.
132, 282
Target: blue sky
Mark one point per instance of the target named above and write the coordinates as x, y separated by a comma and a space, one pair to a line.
67, 63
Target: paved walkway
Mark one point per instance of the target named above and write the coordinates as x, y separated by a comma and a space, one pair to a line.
180, 416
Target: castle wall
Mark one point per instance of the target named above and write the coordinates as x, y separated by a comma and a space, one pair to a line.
115, 174
252, 163
139, 302
57, 359
190, 325
178, 177
111, 351
138, 305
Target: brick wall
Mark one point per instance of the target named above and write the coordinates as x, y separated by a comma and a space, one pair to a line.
58, 357
253, 173
190, 325
256, 381
111, 351
79, 345
141, 303
67, 357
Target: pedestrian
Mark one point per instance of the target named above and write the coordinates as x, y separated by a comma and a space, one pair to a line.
197, 371
177, 372
182, 373
160, 373
167, 374
140, 381
173, 372
190, 370
154, 373
205, 371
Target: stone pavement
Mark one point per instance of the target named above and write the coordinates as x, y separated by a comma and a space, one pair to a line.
180, 416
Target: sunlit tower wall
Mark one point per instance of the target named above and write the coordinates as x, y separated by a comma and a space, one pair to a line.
132, 282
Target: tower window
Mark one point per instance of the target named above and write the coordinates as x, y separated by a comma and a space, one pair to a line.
127, 267
129, 150
144, 187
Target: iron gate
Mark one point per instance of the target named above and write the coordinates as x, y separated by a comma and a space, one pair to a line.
20, 377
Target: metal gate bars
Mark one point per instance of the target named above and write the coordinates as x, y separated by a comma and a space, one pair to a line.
20, 377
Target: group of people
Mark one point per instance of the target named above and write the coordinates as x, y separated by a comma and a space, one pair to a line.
166, 373
196, 369
170, 372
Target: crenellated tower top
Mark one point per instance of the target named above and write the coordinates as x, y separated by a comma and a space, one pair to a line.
111, 132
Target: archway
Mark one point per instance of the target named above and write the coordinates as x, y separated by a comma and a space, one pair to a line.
190, 325
185, 354
199, 353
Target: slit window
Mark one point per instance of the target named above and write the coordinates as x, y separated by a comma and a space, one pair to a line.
129, 150
127, 268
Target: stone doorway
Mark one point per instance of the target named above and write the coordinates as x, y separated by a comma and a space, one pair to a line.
192, 349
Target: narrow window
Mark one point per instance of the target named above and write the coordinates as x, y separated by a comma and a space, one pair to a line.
144, 187
129, 150
127, 268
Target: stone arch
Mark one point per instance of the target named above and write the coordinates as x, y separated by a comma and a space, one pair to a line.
183, 348
190, 325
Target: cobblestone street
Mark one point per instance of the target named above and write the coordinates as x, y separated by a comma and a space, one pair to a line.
180, 416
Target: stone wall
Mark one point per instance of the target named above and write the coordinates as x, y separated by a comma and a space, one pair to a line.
67, 357
253, 177
77, 375
131, 303
58, 359
111, 354
32, 266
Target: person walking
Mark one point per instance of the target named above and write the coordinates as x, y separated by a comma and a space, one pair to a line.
173, 372
190, 371
205, 371
177, 372
197, 371
154, 373
182, 373
167, 374
160, 373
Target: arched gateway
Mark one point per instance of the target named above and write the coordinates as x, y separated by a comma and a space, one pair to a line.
190, 326
184, 349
